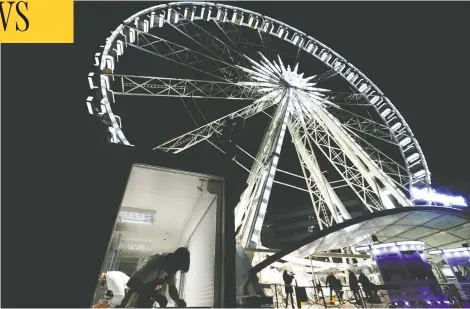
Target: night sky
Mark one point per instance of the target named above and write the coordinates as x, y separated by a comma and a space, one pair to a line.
58, 181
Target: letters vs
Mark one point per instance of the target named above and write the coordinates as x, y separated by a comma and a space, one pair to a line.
19, 9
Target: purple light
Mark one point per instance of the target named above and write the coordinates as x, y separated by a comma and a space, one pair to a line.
430, 195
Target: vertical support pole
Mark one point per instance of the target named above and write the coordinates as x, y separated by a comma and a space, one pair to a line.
114, 263
314, 277
250, 233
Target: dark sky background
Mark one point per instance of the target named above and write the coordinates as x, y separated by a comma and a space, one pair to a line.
60, 187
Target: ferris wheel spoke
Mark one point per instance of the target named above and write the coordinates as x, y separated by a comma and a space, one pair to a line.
225, 34
341, 101
205, 40
203, 133
350, 97
362, 124
267, 50
376, 179
208, 41
249, 171
266, 42
174, 87
183, 55
243, 44
262, 39
366, 126
387, 164
324, 76
227, 26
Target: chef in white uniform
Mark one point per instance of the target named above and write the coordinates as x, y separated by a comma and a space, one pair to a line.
116, 282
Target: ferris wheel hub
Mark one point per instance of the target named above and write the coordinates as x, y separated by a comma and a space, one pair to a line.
293, 79
270, 76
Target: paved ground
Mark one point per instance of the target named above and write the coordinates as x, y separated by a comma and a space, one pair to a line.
347, 305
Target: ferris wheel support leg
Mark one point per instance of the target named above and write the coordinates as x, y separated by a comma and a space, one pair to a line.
251, 210
377, 179
322, 138
324, 193
320, 190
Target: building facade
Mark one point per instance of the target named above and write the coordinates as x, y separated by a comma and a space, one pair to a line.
283, 227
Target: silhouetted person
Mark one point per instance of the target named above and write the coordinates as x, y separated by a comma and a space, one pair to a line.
354, 286
330, 282
338, 287
366, 285
148, 281
288, 278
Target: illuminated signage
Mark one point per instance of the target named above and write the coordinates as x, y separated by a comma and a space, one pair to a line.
430, 195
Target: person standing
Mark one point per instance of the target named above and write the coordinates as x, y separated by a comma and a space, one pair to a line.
288, 278
337, 286
330, 282
354, 286
366, 285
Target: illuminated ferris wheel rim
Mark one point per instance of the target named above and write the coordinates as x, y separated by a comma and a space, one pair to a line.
329, 57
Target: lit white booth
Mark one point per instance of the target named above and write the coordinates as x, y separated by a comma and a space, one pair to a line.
163, 209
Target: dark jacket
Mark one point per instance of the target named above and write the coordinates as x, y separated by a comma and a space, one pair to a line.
330, 281
287, 278
336, 284
155, 270
353, 283
364, 281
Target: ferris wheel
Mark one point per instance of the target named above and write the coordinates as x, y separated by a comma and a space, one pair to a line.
334, 114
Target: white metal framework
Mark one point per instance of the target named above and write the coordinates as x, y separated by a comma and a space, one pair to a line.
346, 128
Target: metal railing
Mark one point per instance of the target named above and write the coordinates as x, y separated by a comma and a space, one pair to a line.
381, 296
316, 295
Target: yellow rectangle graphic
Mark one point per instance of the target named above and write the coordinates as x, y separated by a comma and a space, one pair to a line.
37, 21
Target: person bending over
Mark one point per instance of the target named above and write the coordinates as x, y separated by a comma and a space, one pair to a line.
147, 284
114, 283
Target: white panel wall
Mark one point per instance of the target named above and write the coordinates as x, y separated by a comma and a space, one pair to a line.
198, 283
197, 213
